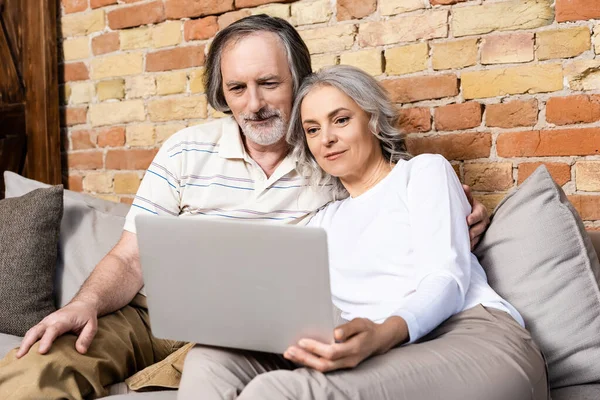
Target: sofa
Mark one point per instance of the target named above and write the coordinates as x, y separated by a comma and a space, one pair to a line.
91, 226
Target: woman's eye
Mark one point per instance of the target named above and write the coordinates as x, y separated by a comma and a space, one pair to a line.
342, 120
311, 131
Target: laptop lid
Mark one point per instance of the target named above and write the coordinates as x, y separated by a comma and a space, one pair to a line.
235, 284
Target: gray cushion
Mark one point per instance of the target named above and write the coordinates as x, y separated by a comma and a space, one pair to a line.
582, 392
90, 227
7, 343
539, 257
29, 227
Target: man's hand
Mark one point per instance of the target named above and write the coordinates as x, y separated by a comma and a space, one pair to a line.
478, 220
355, 341
77, 317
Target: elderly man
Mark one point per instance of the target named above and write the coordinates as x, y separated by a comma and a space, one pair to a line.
238, 167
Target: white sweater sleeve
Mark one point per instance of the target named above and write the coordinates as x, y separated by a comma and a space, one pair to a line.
437, 208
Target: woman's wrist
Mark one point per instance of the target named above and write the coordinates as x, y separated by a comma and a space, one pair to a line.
392, 332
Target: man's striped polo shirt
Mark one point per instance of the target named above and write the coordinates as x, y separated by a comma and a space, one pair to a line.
204, 170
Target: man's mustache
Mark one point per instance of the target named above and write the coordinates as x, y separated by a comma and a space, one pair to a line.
262, 114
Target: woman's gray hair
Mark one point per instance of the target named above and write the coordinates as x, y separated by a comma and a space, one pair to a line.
370, 97
297, 53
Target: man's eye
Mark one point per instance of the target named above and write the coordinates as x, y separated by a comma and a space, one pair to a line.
270, 84
235, 88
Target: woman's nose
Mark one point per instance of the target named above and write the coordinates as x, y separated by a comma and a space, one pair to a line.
327, 136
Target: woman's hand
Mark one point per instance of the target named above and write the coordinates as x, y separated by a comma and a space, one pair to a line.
355, 341
478, 220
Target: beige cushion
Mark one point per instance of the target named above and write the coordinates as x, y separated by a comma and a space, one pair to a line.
90, 227
539, 257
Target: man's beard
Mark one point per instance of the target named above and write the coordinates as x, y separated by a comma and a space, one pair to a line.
270, 132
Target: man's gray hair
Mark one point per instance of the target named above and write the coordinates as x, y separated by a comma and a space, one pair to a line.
297, 53
370, 97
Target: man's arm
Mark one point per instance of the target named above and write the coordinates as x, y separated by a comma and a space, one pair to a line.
112, 285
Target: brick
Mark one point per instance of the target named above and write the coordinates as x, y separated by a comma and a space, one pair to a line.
106, 43
101, 3
413, 120
392, 7
583, 75
445, 2
177, 9
507, 48
111, 137
274, 10
112, 89
407, 90
329, 39
563, 43
117, 113
455, 117
563, 142
178, 108
127, 183
98, 182
588, 207
140, 86
80, 140
117, 65
64, 93
573, 109
406, 59
74, 116
138, 38
513, 114
166, 34
197, 81
515, 80
577, 10
131, 159
84, 160
368, 60
463, 146
200, 29
490, 201
252, 3
126, 200
75, 183
501, 16
75, 72
454, 54
136, 15
489, 177
71, 6
82, 24
319, 61
178, 58
561, 173
214, 114
306, 13
354, 9
163, 132
140, 135
171, 83
587, 176
81, 92
223, 21
433, 24
76, 49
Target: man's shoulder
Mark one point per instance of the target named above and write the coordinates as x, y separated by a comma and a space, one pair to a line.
208, 133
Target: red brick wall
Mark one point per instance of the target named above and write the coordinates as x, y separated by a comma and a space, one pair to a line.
497, 86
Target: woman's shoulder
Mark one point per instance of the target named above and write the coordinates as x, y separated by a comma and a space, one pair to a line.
324, 215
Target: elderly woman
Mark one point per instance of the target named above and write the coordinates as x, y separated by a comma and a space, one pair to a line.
423, 322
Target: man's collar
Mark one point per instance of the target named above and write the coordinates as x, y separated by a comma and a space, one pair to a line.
231, 145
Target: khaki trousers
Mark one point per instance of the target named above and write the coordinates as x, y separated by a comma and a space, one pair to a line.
477, 354
123, 346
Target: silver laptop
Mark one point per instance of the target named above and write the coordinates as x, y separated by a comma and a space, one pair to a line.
235, 284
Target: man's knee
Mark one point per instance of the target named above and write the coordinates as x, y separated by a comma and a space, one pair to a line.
200, 357
281, 384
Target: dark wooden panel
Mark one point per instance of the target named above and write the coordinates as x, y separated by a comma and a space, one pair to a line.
11, 88
40, 72
12, 15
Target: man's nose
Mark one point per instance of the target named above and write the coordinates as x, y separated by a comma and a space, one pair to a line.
256, 100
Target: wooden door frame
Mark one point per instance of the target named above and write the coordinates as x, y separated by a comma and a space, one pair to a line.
40, 79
